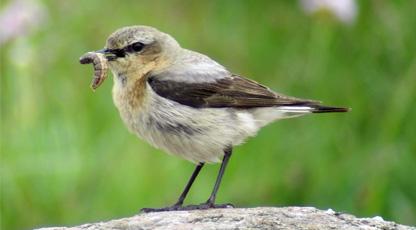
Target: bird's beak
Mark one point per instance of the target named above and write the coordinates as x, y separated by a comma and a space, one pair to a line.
103, 51
109, 54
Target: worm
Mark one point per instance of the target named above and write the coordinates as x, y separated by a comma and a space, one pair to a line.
100, 65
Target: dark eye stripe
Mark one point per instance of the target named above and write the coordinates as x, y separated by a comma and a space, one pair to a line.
119, 52
132, 48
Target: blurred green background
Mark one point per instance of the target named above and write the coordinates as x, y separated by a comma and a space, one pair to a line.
67, 159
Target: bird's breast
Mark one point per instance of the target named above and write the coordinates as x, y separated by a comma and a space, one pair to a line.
129, 98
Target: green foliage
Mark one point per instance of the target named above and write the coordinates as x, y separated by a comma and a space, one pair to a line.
66, 157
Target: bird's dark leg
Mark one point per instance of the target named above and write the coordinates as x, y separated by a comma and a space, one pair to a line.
178, 204
189, 184
211, 200
210, 203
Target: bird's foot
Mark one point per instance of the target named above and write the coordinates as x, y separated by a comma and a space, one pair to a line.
207, 205
186, 208
165, 209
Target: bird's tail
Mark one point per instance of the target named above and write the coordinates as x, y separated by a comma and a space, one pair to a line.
265, 116
311, 108
328, 109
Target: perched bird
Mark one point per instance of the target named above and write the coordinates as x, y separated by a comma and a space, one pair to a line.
187, 104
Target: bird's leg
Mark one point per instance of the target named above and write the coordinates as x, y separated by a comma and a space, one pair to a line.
211, 200
210, 203
178, 204
189, 184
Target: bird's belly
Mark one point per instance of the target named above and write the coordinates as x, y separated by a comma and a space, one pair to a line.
190, 143
198, 135
188, 136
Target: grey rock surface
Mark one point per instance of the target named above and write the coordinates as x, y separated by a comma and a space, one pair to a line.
243, 218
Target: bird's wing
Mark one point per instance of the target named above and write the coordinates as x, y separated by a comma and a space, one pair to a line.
220, 92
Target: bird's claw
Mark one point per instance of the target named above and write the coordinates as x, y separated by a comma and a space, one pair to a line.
165, 209
207, 206
186, 208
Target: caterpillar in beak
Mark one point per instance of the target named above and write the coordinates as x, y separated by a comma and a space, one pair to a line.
100, 65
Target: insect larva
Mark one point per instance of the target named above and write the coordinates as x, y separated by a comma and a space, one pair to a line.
99, 62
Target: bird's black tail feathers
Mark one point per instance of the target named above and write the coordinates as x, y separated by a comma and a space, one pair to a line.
328, 109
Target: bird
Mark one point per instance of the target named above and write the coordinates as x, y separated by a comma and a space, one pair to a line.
188, 105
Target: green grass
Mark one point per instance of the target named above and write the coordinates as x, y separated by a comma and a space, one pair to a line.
66, 157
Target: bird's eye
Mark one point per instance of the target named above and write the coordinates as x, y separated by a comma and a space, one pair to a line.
137, 47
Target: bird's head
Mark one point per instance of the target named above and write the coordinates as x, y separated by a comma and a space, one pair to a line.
139, 49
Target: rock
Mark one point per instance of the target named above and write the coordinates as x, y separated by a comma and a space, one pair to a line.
243, 218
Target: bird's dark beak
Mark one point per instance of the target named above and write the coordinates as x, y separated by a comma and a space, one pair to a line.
108, 53
103, 51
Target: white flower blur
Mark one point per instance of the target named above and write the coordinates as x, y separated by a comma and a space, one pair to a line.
343, 10
20, 17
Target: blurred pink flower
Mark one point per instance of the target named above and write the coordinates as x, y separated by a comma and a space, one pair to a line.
20, 17
343, 10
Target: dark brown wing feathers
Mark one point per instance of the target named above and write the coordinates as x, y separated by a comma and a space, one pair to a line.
233, 91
